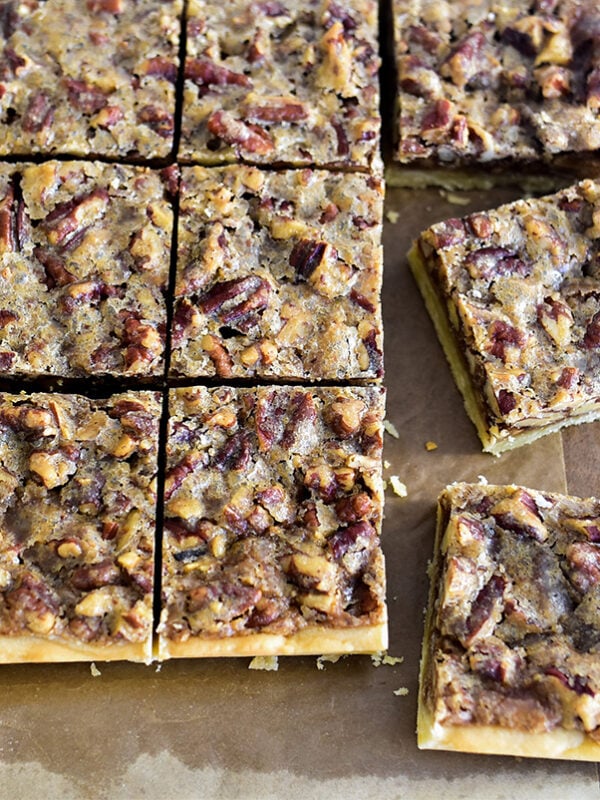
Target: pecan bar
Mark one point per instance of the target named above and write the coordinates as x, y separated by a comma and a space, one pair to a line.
283, 83
511, 653
88, 77
278, 275
514, 297
77, 518
273, 506
497, 84
84, 251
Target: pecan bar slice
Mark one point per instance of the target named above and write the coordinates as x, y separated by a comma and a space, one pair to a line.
514, 295
273, 507
77, 519
511, 652
88, 77
282, 82
85, 250
496, 85
278, 275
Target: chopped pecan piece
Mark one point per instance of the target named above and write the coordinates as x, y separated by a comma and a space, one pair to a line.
488, 262
39, 113
503, 336
485, 611
204, 72
85, 96
93, 576
306, 256
359, 536
159, 119
275, 109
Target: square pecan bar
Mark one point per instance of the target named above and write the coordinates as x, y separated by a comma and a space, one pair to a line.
77, 519
88, 78
273, 506
278, 275
505, 86
510, 654
85, 253
284, 83
514, 294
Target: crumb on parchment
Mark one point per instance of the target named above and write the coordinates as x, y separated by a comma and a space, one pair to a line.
398, 487
267, 663
401, 692
327, 659
384, 659
392, 216
94, 670
391, 428
430, 446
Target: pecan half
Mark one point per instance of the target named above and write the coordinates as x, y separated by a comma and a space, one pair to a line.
234, 454
255, 290
303, 410
489, 262
485, 605
67, 222
235, 132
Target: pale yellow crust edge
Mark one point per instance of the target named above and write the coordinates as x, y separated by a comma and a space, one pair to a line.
450, 348
308, 641
37, 650
413, 177
494, 740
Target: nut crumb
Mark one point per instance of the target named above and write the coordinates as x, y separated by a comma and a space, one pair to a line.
383, 658
330, 659
482, 479
94, 670
267, 663
430, 446
401, 692
392, 216
158, 667
391, 428
455, 199
386, 464
398, 487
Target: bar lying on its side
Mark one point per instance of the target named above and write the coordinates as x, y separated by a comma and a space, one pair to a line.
513, 294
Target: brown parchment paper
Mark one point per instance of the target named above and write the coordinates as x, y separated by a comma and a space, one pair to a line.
215, 729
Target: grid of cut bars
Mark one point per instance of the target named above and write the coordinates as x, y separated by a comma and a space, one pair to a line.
149, 271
